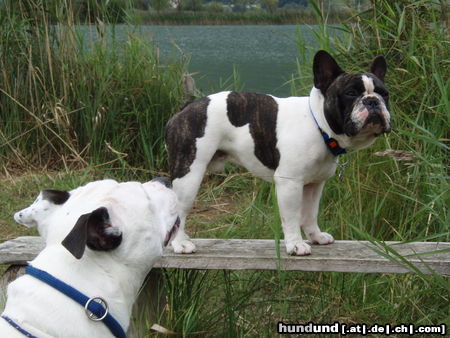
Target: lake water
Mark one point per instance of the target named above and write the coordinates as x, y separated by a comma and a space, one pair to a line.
263, 55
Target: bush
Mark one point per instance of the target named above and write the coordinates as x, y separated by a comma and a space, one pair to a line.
215, 7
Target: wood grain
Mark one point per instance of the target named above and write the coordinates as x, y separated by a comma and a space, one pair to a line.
246, 254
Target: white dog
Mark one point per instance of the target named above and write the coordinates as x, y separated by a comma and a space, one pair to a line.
115, 232
50, 205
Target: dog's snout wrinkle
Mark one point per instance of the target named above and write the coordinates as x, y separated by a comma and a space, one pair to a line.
371, 102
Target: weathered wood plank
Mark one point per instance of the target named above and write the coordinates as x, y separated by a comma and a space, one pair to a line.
20, 250
243, 254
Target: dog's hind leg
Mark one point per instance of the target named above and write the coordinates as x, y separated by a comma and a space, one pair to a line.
310, 210
186, 189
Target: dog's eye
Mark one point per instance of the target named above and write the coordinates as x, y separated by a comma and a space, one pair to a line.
382, 92
351, 93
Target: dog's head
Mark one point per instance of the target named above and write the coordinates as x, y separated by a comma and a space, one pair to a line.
52, 203
353, 103
47, 202
132, 221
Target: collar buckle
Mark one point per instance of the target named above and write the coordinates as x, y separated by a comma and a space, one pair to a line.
92, 311
333, 145
330, 142
96, 307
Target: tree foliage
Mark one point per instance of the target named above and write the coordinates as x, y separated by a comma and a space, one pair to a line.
160, 5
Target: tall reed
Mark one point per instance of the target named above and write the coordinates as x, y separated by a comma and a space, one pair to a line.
73, 95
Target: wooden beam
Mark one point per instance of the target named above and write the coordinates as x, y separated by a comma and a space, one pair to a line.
246, 254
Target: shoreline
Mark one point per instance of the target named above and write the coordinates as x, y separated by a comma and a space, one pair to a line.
241, 19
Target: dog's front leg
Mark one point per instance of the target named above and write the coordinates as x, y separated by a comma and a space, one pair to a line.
289, 196
310, 211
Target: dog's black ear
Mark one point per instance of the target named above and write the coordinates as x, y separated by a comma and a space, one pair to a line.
101, 235
75, 241
379, 67
95, 231
55, 196
325, 70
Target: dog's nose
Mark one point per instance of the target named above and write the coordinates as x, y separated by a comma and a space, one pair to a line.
163, 180
371, 102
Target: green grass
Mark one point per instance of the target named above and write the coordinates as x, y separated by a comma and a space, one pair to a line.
380, 198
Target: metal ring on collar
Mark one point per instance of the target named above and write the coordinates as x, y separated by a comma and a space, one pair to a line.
90, 314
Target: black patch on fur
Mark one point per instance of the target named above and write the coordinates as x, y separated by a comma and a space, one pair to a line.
55, 196
341, 97
336, 85
379, 67
338, 105
325, 70
380, 89
75, 241
260, 111
181, 133
90, 230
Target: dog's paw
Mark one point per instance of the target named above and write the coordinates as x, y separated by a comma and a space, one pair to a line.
298, 248
321, 238
184, 246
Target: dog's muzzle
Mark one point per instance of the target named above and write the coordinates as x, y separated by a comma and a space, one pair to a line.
172, 231
373, 114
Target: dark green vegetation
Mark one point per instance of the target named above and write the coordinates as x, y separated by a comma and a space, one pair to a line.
71, 98
279, 17
236, 12
93, 109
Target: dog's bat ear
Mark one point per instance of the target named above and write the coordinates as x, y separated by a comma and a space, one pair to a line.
325, 70
55, 196
75, 241
379, 67
95, 231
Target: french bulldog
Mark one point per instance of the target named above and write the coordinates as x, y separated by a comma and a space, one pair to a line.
110, 235
292, 141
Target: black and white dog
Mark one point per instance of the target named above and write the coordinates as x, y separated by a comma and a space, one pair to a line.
292, 141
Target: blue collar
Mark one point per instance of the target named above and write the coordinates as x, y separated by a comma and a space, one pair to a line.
95, 307
330, 142
17, 327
